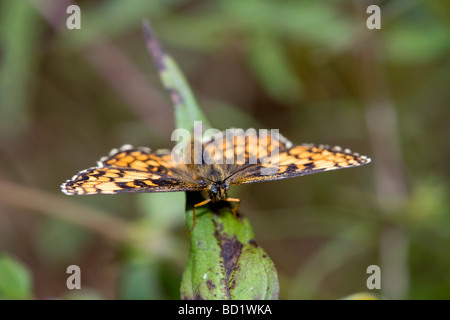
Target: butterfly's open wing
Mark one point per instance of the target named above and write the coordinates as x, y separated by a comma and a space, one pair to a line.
139, 159
288, 160
131, 170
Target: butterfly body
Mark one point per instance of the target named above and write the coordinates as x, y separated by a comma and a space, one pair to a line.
217, 191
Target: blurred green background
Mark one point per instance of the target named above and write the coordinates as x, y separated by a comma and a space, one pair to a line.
311, 69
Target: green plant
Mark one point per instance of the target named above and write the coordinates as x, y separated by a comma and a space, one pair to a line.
225, 261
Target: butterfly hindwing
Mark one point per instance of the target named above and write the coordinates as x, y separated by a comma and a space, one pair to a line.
120, 180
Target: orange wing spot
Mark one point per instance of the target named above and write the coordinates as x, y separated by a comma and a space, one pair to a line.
342, 164
296, 150
123, 179
167, 157
89, 189
120, 155
317, 156
136, 153
239, 150
107, 186
304, 154
229, 151
142, 157
253, 148
333, 158
119, 163
150, 183
323, 164
288, 160
139, 165
282, 169
132, 185
128, 159
153, 163
135, 175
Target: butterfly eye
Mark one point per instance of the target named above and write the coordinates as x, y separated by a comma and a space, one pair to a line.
213, 188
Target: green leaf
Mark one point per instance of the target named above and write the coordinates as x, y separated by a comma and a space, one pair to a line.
186, 107
272, 67
225, 263
415, 44
15, 279
19, 33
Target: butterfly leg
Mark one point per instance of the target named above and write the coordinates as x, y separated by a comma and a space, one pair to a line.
238, 202
194, 217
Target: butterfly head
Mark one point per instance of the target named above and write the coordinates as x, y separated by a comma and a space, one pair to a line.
218, 190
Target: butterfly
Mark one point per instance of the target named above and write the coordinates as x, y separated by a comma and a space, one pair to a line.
248, 157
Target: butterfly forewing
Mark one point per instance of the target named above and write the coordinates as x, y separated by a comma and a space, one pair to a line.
140, 159
298, 160
131, 170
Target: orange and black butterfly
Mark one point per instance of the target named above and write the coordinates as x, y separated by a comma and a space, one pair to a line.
129, 170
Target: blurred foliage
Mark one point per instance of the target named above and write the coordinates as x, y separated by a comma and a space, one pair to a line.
311, 69
15, 279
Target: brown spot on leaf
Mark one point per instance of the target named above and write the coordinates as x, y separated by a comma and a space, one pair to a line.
199, 297
231, 250
253, 243
210, 285
233, 284
196, 296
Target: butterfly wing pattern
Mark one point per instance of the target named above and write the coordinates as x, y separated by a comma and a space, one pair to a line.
129, 170
256, 157
248, 157
294, 160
